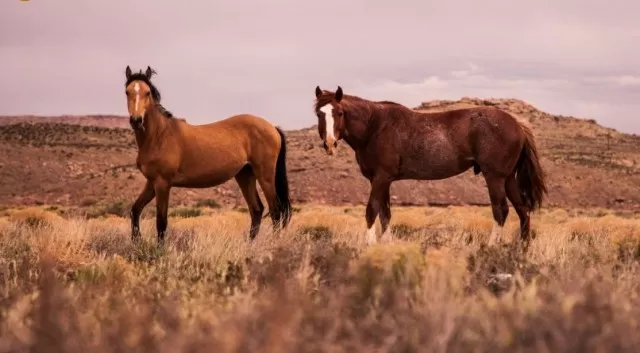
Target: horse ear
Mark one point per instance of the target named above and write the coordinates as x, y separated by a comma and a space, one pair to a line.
127, 72
318, 92
339, 94
149, 72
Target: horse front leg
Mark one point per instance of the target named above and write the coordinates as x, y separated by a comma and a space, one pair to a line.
379, 188
385, 214
147, 194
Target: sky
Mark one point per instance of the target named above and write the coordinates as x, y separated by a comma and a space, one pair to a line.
217, 58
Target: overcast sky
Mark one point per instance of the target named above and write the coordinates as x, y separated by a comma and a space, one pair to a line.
219, 58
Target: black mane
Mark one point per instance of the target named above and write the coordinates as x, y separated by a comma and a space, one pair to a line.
155, 93
327, 97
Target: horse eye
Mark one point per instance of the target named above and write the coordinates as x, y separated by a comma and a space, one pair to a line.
148, 94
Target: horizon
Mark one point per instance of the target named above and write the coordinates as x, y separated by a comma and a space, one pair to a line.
219, 59
313, 124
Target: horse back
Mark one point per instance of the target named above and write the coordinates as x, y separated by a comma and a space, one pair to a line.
470, 124
244, 135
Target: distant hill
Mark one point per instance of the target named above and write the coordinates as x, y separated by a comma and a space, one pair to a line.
89, 160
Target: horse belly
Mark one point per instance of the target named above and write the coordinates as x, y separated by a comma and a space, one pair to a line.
435, 171
437, 162
203, 175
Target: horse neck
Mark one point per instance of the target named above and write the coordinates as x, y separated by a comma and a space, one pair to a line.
154, 125
356, 121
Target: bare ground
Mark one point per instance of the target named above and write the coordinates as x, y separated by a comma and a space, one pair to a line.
89, 160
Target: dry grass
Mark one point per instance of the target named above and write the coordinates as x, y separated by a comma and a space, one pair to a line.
72, 284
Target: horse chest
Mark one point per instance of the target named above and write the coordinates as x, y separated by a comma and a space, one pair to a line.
145, 169
152, 168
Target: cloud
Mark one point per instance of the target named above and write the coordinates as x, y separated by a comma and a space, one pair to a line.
578, 96
216, 59
621, 80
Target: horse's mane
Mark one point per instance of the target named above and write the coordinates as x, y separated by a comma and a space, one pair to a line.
155, 93
327, 97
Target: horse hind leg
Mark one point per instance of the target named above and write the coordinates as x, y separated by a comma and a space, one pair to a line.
513, 193
499, 206
266, 179
247, 182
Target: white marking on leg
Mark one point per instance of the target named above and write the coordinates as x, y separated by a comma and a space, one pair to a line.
371, 235
328, 120
496, 233
387, 235
136, 88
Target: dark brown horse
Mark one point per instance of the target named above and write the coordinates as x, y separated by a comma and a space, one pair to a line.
173, 153
392, 142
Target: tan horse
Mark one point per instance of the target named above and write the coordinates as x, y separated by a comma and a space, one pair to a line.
392, 142
174, 153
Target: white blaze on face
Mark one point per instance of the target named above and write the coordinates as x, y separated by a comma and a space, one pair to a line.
328, 120
136, 89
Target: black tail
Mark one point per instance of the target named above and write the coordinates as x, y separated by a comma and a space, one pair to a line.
282, 183
530, 176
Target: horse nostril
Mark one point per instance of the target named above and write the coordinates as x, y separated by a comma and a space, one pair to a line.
324, 144
335, 144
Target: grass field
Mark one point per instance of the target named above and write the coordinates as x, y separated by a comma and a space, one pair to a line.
71, 284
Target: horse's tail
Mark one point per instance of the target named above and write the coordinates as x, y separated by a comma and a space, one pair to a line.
283, 201
530, 176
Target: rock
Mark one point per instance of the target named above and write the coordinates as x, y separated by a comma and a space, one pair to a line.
500, 282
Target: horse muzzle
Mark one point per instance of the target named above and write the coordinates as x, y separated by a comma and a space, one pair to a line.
135, 122
330, 146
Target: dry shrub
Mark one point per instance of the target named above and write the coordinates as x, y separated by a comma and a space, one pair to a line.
628, 249
386, 266
208, 203
276, 268
183, 240
89, 289
476, 229
186, 212
116, 208
331, 261
35, 217
315, 233
404, 231
491, 261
